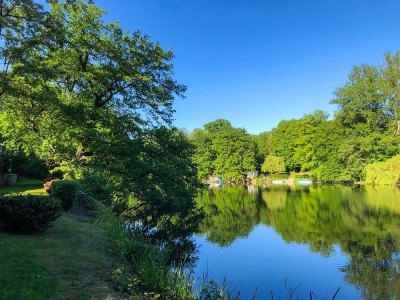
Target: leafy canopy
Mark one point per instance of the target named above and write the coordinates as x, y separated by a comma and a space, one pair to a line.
73, 81
223, 150
92, 100
273, 164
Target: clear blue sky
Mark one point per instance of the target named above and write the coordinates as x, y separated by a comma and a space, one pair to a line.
257, 62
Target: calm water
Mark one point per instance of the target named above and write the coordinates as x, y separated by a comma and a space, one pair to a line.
312, 239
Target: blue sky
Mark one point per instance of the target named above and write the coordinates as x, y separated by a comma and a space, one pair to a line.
257, 62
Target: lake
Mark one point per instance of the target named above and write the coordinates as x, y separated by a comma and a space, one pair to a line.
282, 241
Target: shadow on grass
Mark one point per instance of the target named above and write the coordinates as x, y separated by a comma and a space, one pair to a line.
25, 186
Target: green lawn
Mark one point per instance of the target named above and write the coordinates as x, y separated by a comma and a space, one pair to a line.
25, 186
71, 260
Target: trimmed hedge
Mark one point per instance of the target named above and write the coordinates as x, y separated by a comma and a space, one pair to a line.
28, 213
66, 191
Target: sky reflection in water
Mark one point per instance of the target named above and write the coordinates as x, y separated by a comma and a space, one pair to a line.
315, 239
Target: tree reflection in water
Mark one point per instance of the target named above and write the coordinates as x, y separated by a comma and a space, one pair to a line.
170, 227
363, 221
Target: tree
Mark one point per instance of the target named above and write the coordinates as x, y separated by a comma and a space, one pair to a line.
390, 87
224, 150
305, 150
369, 114
87, 98
204, 153
282, 142
262, 146
273, 164
76, 79
360, 100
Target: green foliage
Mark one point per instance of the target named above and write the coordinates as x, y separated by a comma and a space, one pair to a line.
372, 96
361, 99
142, 266
365, 130
387, 172
29, 166
155, 167
281, 143
1, 164
204, 153
209, 289
66, 191
97, 186
273, 164
278, 176
223, 150
297, 141
64, 73
98, 104
145, 270
28, 213
262, 141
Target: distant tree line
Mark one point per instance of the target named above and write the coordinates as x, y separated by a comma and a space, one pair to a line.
364, 131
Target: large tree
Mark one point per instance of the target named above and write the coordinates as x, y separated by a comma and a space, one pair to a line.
87, 97
75, 79
368, 110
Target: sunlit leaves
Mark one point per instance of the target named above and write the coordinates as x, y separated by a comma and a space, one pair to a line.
222, 150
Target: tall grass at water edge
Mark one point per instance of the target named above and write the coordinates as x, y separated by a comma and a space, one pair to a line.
142, 271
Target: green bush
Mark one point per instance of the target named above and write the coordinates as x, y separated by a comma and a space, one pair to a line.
383, 173
66, 191
28, 213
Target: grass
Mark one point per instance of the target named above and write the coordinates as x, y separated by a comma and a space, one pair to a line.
25, 186
72, 260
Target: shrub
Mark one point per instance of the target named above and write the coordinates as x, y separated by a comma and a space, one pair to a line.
48, 183
66, 191
28, 213
381, 173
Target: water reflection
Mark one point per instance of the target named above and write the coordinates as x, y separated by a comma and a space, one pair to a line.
171, 227
363, 221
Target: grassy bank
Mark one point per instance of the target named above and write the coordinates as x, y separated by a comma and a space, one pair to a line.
71, 260
25, 186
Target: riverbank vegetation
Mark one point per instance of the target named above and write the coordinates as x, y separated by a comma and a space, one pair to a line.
131, 266
95, 106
